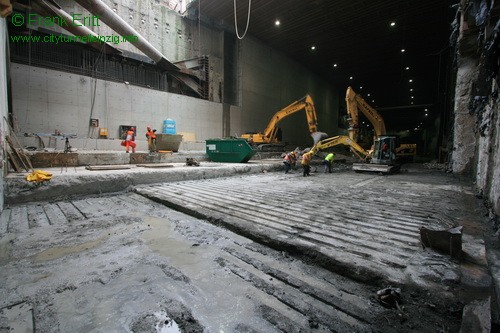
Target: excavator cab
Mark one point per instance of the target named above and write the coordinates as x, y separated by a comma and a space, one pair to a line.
384, 151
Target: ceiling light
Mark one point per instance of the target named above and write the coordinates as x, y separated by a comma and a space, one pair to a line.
410, 80
350, 78
411, 103
426, 114
403, 50
425, 110
393, 24
360, 87
411, 96
313, 47
407, 68
277, 22
411, 89
334, 65
368, 95
373, 101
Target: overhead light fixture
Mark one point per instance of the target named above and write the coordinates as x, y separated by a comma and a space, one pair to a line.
334, 65
411, 89
368, 95
411, 96
426, 109
403, 50
373, 101
411, 103
410, 80
350, 78
393, 24
407, 68
313, 47
426, 114
277, 22
360, 88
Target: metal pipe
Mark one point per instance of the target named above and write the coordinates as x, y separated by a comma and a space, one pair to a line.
116, 23
50, 8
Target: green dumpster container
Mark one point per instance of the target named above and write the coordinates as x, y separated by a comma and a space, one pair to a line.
229, 150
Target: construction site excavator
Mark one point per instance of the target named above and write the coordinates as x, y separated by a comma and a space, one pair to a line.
270, 139
382, 159
355, 103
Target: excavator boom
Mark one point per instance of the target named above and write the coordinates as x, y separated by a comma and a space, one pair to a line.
341, 140
270, 134
355, 103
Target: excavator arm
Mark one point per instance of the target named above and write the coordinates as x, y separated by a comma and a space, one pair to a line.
270, 133
355, 103
342, 140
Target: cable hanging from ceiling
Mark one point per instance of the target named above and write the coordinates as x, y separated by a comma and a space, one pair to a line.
236, 21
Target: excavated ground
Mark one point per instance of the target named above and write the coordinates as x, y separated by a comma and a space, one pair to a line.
266, 252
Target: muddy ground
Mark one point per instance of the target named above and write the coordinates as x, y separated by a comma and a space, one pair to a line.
132, 262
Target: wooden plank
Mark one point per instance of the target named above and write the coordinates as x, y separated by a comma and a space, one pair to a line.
4, 221
54, 214
13, 162
25, 162
18, 221
70, 211
37, 217
156, 165
107, 167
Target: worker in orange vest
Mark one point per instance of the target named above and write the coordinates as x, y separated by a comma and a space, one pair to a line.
306, 161
130, 140
151, 136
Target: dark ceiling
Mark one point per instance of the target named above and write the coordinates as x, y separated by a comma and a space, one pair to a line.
357, 36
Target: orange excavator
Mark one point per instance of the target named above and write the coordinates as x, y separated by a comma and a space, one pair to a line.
269, 139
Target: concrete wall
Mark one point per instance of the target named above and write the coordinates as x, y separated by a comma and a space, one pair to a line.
3, 103
47, 100
270, 82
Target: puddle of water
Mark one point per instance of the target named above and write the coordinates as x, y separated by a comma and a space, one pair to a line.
165, 324
58, 252
160, 239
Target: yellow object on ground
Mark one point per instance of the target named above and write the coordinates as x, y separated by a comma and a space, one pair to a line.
39, 176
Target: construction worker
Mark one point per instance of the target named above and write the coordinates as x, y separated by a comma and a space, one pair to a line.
306, 161
289, 160
151, 136
130, 140
328, 161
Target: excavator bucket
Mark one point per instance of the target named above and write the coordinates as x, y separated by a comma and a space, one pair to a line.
318, 136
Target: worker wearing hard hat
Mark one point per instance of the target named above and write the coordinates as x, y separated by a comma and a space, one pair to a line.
328, 161
130, 140
306, 161
151, 136
289, 161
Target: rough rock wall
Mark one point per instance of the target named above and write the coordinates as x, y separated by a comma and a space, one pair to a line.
476, 136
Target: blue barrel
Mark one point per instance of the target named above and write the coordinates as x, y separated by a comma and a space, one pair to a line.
169, 126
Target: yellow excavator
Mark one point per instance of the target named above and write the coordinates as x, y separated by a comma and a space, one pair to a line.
381, 159
383, 155
271, 137
355, 103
